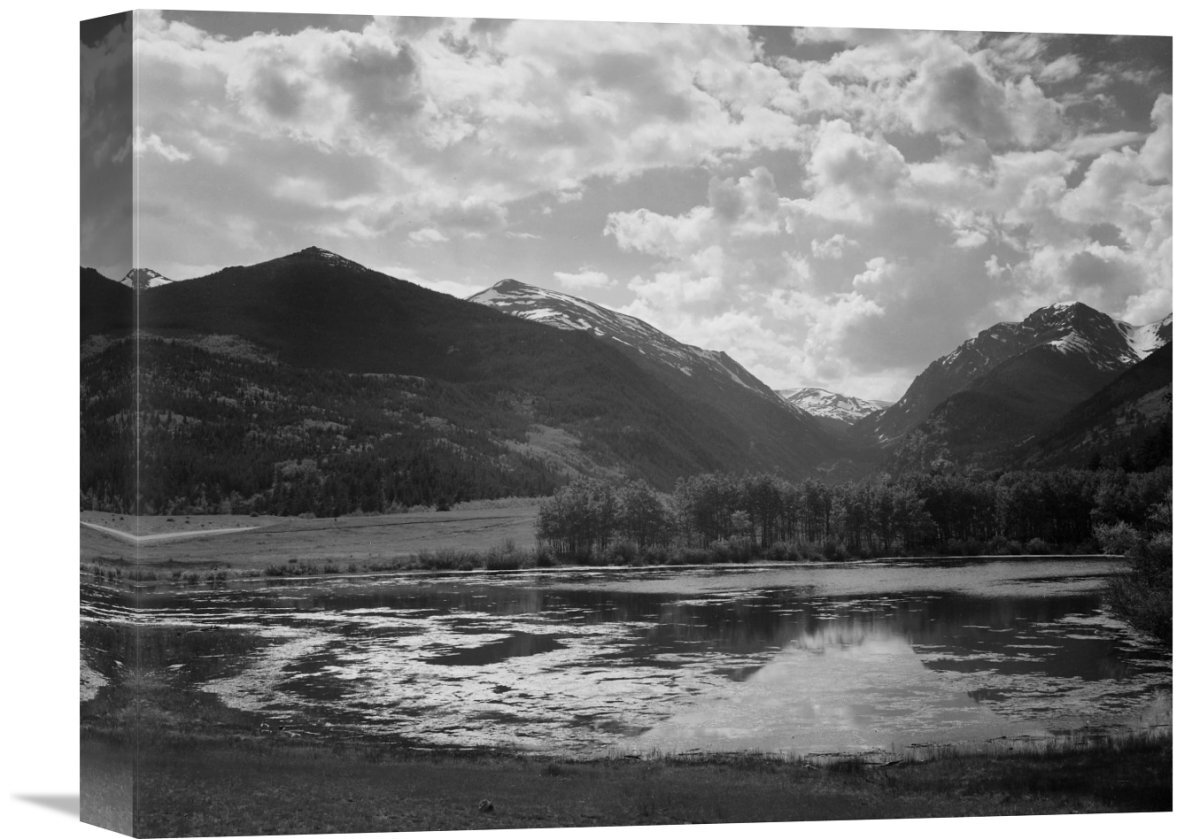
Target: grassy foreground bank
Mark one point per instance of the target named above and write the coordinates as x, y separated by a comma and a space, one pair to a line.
191, 787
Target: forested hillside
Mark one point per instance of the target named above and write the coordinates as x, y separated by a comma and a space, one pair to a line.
311, 384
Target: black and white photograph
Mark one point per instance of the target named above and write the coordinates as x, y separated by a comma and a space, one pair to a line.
507, 422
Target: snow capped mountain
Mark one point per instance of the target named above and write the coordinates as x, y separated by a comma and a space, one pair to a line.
566, 312
142, 278
1072, 329
834, 406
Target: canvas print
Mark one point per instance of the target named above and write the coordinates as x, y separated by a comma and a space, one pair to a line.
521, 423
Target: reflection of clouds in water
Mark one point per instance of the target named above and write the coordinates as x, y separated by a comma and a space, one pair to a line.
1029, 680
257, 686
847, 689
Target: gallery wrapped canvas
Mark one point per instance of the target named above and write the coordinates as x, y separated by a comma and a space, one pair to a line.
520, 423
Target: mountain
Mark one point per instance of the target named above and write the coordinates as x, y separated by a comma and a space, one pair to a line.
835, 412
1128, 422
310, 382
1070, 329
143, 278
104, 305
574, 313
727, 389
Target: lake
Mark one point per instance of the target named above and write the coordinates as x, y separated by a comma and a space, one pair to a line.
814, 659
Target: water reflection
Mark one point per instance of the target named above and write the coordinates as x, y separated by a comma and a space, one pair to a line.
579, 666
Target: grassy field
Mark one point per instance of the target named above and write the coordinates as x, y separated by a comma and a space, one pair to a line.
190, 787
264, 541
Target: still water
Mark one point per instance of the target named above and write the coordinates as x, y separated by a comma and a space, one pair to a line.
811, 659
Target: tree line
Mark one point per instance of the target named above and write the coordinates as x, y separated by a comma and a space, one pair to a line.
1015, 512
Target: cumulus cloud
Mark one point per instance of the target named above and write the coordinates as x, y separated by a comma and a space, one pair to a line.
427, 235
144, 144
952, 92
1156, 153
837, 210
583, 280
834, 247
851, 175
1060, 69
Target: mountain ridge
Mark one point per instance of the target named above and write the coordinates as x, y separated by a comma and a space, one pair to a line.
566, 311
478, 386
1068, 328
838, 408
726, 389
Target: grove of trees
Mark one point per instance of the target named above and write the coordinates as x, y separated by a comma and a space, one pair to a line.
1013, 512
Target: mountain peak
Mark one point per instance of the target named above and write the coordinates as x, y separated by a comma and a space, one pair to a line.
1069, 328
314, 254
1063, 312
510, 285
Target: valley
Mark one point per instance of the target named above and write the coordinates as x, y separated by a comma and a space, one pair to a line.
426, 523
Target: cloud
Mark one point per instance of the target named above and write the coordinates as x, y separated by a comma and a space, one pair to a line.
835, 210
834, 247
105, 141
457, 120
1156, 153
879, 273
144, 144
951, 92
1090, 145
1060, 69
583, 280
850, 175
427, 236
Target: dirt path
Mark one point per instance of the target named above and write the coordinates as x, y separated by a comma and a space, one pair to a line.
162, 537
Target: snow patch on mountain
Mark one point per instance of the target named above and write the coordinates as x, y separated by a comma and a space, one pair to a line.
1144, 340
564, 311
142, 278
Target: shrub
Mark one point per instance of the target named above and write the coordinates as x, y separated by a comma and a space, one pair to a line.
622, 553
782, 552
1142, 595
1118, 539
689, 556
506, 557
447, 559
730, 551
656, 555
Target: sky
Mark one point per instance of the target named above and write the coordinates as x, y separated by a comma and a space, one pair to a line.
830, 207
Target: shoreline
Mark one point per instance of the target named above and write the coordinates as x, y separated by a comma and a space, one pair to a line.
144, 575
298, 786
